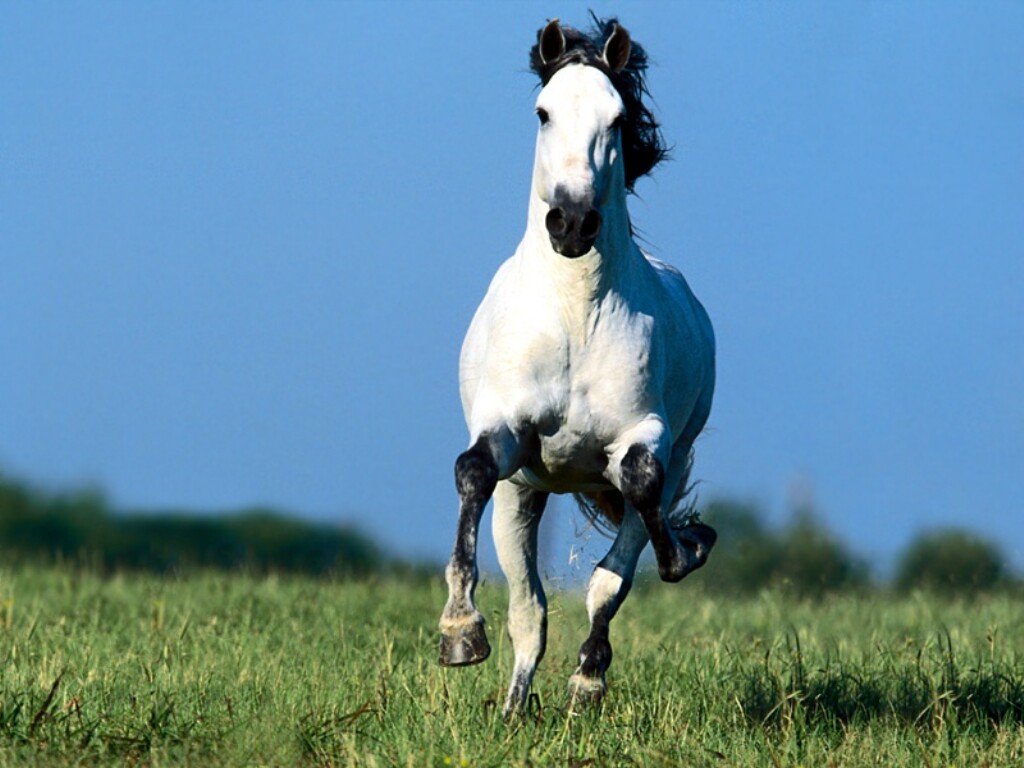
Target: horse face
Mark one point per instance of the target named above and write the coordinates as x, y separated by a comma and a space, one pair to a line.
579, 155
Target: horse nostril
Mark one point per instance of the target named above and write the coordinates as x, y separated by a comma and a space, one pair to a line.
590, 225
556, 223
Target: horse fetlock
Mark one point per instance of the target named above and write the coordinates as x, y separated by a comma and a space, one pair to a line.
463, 641
461, 576
515, 702
513, 708
595, 657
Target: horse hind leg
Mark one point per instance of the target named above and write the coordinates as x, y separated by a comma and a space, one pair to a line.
608, 587
517, 514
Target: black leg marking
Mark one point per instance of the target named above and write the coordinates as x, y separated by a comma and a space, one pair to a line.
476, 473
463, 640
587, 686
596, 653
642, 479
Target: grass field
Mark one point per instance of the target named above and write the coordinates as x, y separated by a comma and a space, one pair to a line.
215, 669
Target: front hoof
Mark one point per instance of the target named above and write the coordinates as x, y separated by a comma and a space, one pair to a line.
697, 539
585, 693
464, 647
695, 543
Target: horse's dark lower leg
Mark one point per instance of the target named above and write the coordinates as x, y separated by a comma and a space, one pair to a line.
678, 552
608, 587
463, 640
587, 686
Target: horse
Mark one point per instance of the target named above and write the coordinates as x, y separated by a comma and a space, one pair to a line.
588, 368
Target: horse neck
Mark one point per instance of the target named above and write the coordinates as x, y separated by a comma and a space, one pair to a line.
584, 281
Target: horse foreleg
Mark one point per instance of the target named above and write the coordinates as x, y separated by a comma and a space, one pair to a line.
477, 471
608, 587
517, 514
644, 485
463, 640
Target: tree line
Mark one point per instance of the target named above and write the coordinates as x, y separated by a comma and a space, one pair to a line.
82, 528
802, 557
805, 558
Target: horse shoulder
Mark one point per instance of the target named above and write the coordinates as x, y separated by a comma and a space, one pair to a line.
686, 347
511, 354
686, 309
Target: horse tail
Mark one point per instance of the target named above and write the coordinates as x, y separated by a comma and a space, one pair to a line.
602, 509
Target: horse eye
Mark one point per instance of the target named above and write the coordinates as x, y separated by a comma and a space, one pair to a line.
542, 115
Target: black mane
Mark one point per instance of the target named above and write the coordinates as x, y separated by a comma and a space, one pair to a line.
643, 146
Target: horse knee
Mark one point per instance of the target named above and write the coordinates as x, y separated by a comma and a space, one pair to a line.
476, 473
641, 477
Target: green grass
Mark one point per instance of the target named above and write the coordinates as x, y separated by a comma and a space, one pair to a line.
215, 669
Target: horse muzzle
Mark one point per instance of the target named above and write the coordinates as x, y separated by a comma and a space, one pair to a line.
572, 228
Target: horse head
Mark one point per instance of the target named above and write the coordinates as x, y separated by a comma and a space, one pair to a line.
595, 135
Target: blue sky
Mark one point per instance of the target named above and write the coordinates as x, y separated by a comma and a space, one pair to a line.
240, 244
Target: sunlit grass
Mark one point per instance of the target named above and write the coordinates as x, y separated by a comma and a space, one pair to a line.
217, 669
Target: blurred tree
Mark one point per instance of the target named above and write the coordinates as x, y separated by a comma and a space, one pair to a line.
951, 560
813, 562
82, 527
804, 557
746, 556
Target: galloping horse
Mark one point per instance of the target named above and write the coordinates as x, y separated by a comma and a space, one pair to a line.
587, 369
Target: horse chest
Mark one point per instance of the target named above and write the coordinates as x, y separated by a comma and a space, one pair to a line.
596, 391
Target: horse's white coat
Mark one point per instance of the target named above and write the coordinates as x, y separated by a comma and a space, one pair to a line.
605, 586
593, 354
570, 362
517, 513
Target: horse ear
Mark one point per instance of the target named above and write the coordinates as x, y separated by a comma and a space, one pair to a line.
552, 42
617, 49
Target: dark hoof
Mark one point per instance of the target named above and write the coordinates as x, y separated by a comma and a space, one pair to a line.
695, 543
673, 571
698, 540
461, 649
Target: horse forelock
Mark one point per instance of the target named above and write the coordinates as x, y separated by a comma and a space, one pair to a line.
643, 146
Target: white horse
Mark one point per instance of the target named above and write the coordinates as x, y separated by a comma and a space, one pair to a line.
588, 368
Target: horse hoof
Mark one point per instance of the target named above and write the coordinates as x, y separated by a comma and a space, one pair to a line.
698, 539
695, 543
585, 693
465, 647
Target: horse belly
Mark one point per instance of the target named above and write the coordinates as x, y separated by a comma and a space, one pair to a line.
568, 461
